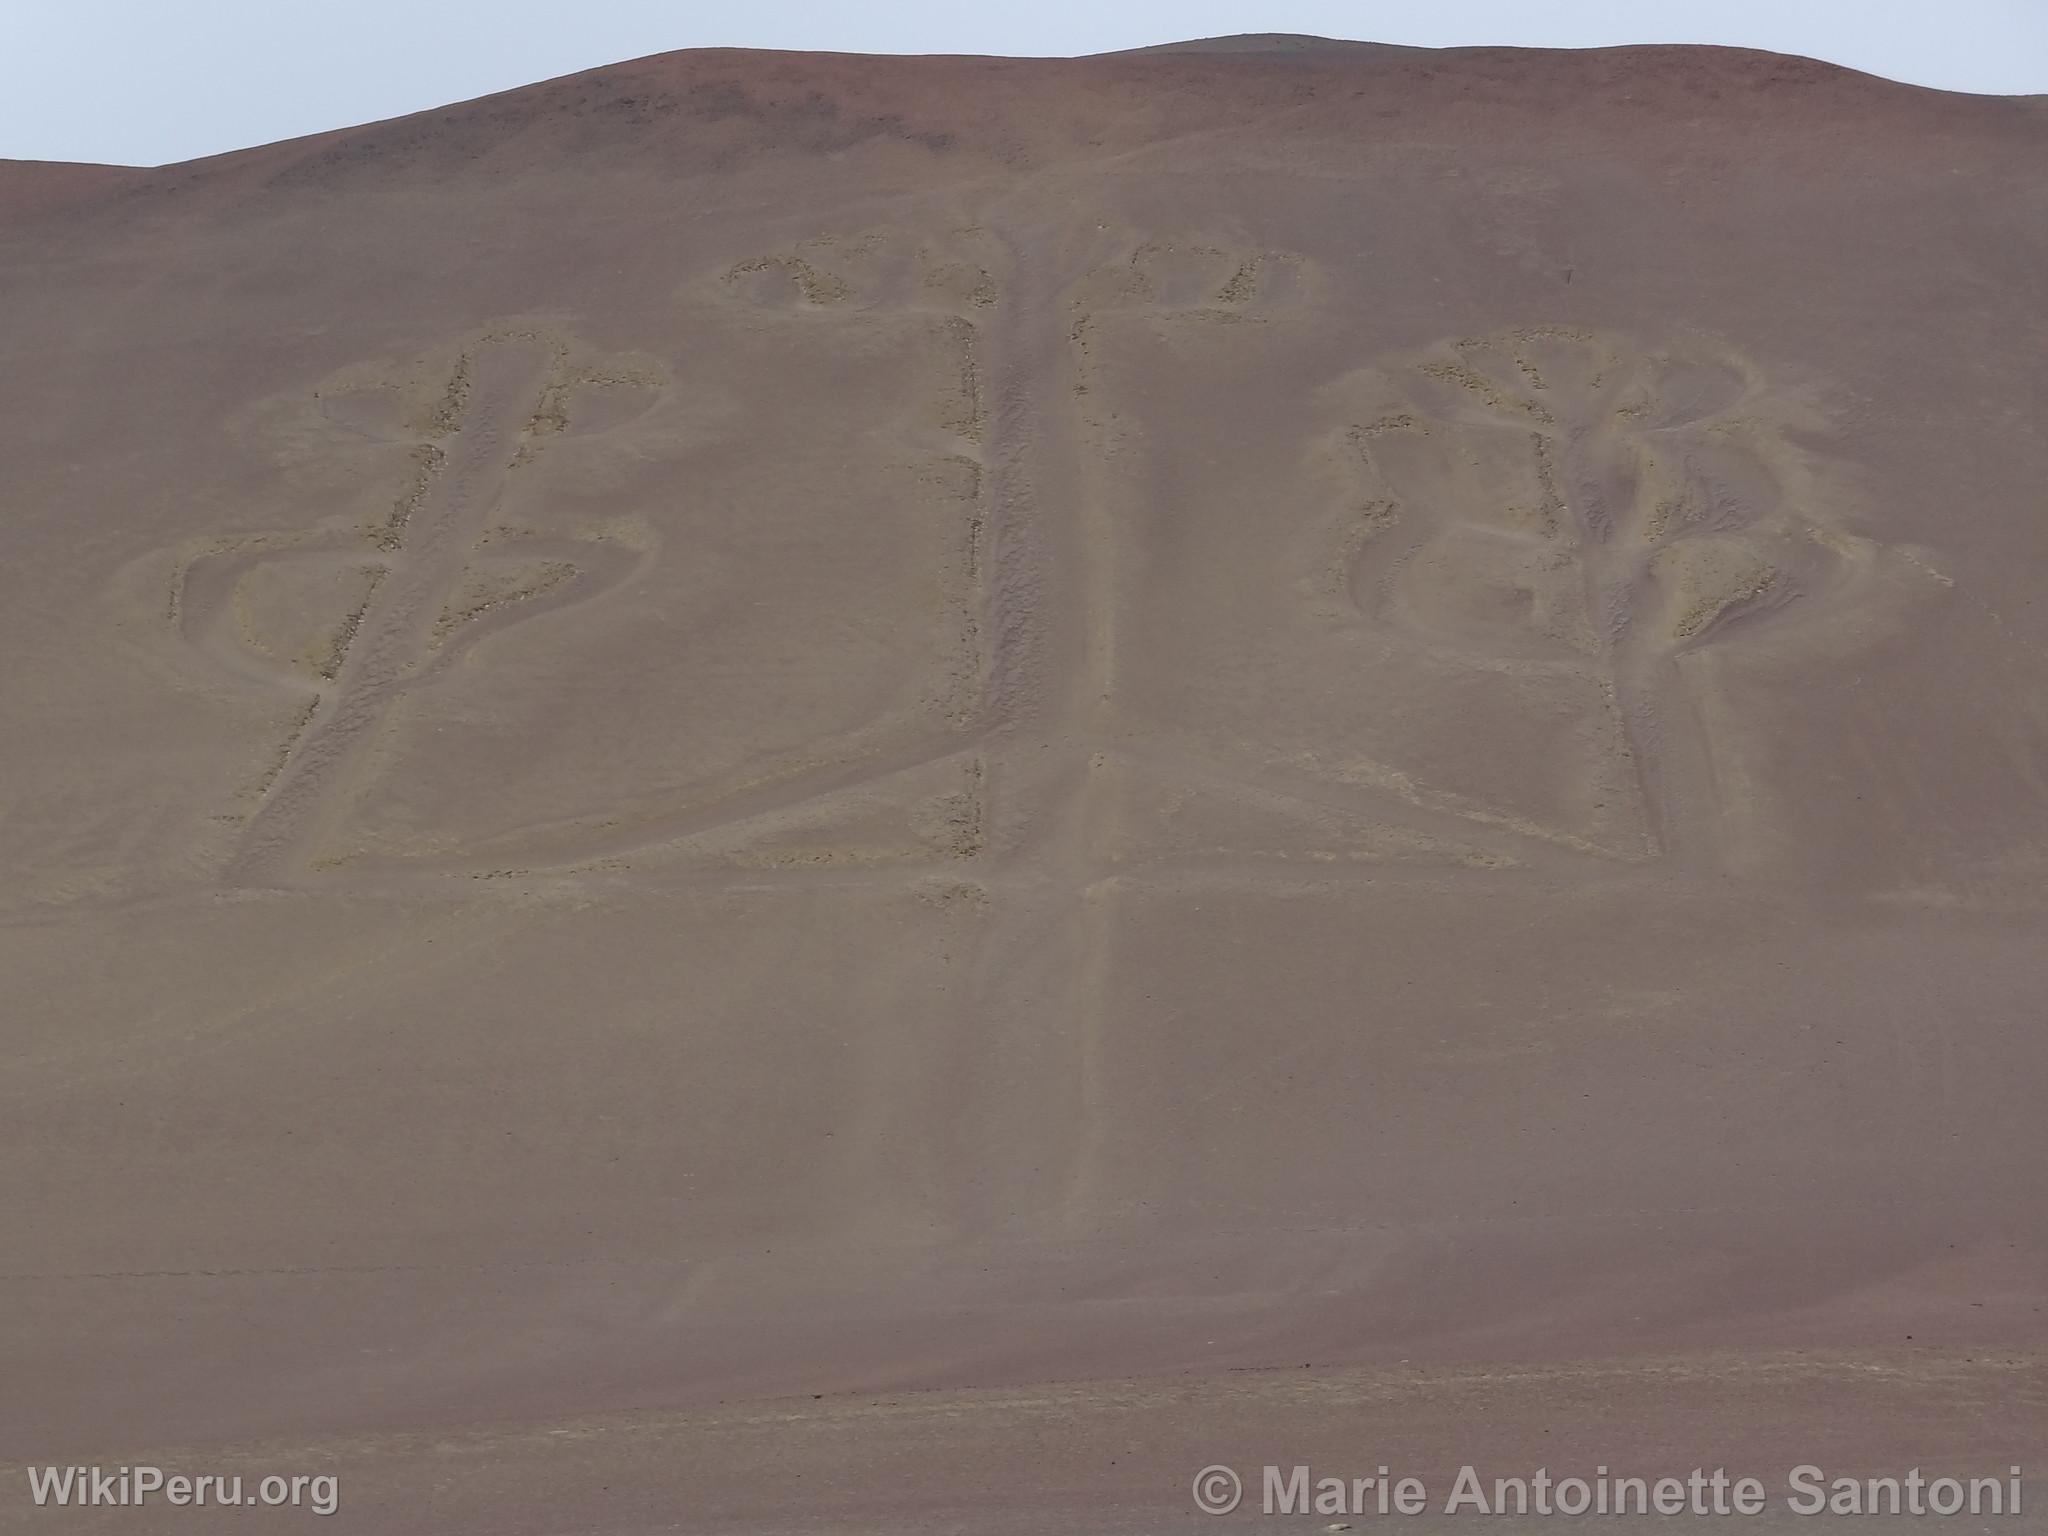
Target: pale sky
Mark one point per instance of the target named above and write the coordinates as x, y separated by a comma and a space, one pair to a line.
146, 82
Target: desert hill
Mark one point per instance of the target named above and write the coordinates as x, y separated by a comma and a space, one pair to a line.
775, 787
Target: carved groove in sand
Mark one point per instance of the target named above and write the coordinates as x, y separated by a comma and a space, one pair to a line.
913, 795
1189, 277
879, 278
926, 801
875, 270
947, 286
1174, 282
1546, 502
350, 620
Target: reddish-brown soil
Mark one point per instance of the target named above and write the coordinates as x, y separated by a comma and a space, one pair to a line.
766, 791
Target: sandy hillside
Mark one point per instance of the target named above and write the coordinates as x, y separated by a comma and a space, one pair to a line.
766, 790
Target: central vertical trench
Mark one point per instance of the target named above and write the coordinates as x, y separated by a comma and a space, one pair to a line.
1038, 981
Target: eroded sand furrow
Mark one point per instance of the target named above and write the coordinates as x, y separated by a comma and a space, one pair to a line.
499, 387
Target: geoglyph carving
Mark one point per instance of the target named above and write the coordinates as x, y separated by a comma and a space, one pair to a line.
1548, 501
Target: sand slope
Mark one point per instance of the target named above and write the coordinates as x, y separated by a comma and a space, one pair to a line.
1102, 764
